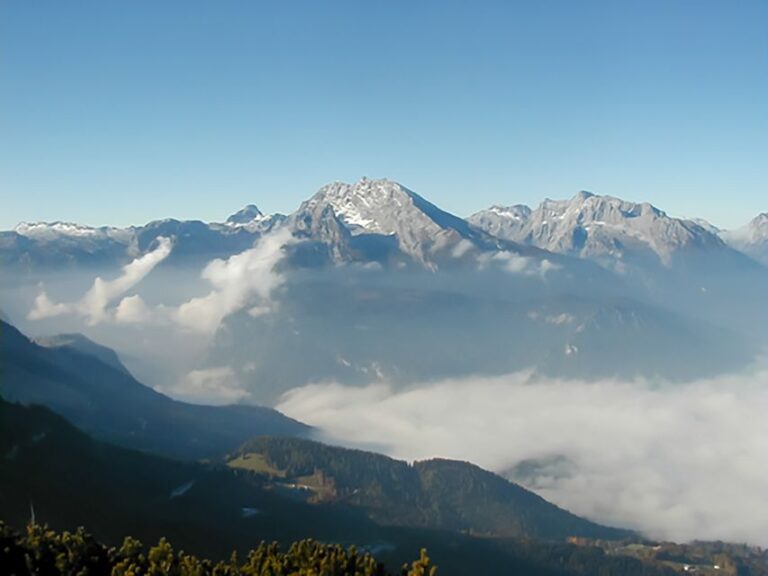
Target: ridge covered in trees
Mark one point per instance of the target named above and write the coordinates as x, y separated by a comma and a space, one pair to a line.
440, 494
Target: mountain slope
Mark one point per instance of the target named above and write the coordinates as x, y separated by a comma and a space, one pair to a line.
106, 401
70, 480
441, 494
78, 343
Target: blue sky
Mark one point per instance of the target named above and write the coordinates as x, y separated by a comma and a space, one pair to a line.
118, 112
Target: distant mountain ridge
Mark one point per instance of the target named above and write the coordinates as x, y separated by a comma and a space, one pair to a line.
680, 264
382, 220
596, 227
751, 239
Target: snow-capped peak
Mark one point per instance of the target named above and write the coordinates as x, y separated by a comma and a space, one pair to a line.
367, 205
387, 208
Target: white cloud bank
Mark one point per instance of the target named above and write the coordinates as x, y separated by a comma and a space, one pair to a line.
212, 386
93, 305
516, 264
682, 462
245, 279
236, 282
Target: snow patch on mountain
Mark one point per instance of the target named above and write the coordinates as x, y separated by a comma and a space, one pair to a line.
48, 231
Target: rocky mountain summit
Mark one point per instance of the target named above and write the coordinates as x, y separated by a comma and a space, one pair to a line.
597, 227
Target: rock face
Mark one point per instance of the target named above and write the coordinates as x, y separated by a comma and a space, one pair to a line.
598, 227
318, 224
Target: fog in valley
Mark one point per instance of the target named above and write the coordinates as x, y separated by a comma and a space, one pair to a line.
675, 461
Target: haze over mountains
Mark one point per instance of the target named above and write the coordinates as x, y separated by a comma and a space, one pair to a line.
87, 384
752, 239
370, 295
589, 287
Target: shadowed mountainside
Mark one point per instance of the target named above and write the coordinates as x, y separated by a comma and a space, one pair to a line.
106, 401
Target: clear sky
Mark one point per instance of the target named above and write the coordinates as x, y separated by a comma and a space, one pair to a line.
118, 112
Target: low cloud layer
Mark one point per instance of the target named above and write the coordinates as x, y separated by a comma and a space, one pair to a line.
212, 386
245, 279
517, 264
676, 462
93, 306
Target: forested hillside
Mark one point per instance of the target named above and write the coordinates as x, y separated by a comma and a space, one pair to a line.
443, 494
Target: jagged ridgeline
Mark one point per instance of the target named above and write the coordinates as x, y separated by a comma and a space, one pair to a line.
43, 551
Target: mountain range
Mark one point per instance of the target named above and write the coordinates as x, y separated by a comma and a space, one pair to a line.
602, 228
379, 283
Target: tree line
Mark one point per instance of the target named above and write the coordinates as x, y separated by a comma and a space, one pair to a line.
41, 551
